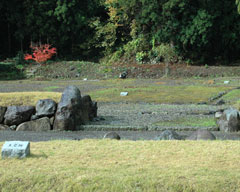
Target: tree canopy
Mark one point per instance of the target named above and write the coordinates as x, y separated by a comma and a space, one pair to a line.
238, 5
200, 31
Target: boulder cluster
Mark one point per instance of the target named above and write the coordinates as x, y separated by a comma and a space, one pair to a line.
200, 134
72, 110
228, 120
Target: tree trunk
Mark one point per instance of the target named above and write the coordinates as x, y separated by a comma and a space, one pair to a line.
21, 44
167, 69
9, 40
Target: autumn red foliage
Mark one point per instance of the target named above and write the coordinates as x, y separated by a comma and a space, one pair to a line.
41, 53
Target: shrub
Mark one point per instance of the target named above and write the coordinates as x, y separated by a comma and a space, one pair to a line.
41, 53
134, 46
19, 59
141, 56
166, 53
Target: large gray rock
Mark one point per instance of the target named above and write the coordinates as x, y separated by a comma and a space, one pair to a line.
89, 108
13, 127
15, 149
201, 135
4, 127
2, 113
42, 124
218, 115
52, 120
112, 135
228, 120
45, 108
18, 114
69, 110
168, 135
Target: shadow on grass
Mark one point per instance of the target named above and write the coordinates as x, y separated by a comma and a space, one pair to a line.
37, 156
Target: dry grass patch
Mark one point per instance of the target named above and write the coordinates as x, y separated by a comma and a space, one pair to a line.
106, 165
26, 98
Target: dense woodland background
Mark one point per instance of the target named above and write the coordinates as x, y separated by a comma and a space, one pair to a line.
202, 31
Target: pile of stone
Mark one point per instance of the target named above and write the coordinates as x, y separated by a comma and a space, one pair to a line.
228, 120
72, 111
200, 134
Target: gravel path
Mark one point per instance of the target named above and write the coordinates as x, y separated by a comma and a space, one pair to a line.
145, 114
79, 135
57, 86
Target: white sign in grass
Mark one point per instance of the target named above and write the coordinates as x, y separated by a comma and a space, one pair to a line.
15, 149
226, 82
123, 93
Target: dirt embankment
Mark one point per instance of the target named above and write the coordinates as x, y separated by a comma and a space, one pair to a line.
81, 70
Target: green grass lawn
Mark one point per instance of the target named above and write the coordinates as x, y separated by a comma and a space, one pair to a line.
232, 96
158, 94
190, 121
106, 165
51, 88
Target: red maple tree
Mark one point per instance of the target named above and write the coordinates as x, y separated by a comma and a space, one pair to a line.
41, 53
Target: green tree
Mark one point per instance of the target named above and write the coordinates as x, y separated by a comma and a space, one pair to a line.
12, 26
74, 17
203, 31
238, 5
